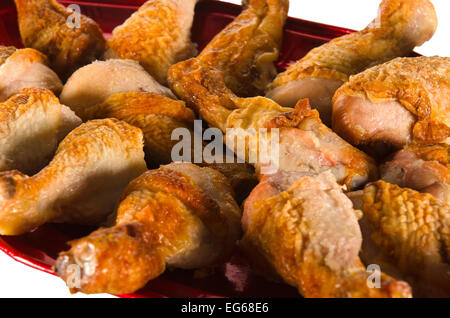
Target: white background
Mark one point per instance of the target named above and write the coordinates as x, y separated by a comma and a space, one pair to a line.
17, 280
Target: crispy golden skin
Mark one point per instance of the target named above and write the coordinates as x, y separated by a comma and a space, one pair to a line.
422, 168
419, 86
439, 153
411, 231
205, 90
158, 116
203, 85
239, 59
247, 48
158, 35
387, 37
5, 52
310, 235
32, 123
180, 216
91, 167
25, 68
44, 26
400, 26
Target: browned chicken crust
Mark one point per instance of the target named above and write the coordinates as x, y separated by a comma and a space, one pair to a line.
439, 153
247, 48
32, 123
310, 234
400, 26
177, 216
90, 169
158, 35
5, 52
44, 26
204, 90
25, 68
239, 60
412, 231
420, 85
276, 236
390, 35
203, 85
156, 115
241, 176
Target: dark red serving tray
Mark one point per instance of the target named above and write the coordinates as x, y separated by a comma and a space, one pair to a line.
234, 279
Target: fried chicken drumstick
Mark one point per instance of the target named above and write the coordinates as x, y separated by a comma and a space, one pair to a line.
91, 167
239, 60
309, 233
44, 25
248, 47
406, 100
158, 35
400, 26
408, 231
156, 115
25, 68
32, 123
179, 216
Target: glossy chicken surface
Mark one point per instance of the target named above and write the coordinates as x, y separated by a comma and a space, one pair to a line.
158, 35
239, 60
400, 26
422, 168
32, 123
179, 216
49, 27
305, 143
309, 233
158, 117
82, 183
411, 232
248, 47
406, 100
25, 68
94, 83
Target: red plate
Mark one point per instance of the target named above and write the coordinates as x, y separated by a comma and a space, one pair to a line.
234, 279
